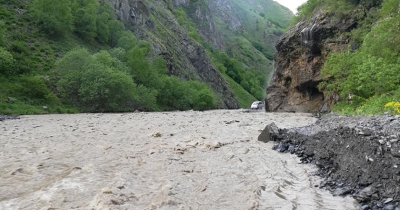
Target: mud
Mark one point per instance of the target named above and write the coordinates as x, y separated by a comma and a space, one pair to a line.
357, 156
174, 160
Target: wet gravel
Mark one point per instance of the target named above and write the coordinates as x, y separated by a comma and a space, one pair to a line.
356, 155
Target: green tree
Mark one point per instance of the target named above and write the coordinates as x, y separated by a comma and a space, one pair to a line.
175, 94
94, 83
7, 63
85, 17
103, 89
103, 30
54, 17
115, 28
2, 33
74, 60
34, 86
118, 53
204, 100
104, 14
127, 40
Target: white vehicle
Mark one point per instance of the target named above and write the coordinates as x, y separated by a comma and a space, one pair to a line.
257, 105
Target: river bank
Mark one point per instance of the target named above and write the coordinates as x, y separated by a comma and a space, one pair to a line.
169, 160
356, 155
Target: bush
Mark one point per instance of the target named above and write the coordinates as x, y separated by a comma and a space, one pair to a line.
103, 89
6, 63
94, 84
34, 87
204, 100
54, 17
2, 33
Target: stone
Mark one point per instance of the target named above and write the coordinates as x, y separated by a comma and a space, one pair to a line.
365, 207
389, 207
292, 149
364, 195
282, 147
388, 200
269, 133
343, 191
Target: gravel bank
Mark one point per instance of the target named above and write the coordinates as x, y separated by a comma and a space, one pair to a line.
356, 155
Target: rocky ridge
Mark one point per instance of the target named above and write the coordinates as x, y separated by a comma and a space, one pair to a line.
357, 156
301, 54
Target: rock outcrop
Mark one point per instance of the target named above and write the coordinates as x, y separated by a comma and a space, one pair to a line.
204, 19
301, 54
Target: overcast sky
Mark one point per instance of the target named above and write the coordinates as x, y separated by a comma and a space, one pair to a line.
291, 4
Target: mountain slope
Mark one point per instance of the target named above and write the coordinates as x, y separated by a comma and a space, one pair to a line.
188, 36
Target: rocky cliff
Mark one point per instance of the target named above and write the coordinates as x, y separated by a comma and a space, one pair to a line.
154, 21
219, 23
301, 54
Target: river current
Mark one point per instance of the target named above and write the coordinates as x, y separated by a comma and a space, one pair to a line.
170, 160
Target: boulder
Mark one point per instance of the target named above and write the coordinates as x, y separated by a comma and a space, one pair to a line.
269, 133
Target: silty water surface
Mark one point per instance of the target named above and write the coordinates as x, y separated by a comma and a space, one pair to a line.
172, 160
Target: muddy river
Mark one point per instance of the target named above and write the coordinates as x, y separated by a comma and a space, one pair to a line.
171, 160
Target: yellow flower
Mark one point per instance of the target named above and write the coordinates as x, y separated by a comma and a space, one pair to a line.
394, 106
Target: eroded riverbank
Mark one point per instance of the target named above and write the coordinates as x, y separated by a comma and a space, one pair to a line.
174, 160
356, 155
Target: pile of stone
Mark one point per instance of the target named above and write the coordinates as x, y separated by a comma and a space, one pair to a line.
357, 156
7, 117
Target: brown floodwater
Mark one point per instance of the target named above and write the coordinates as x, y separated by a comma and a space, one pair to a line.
171, 160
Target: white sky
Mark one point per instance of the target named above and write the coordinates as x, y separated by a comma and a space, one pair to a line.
291, 4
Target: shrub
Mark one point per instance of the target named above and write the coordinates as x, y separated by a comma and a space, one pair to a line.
204, 100
54, 17
34, 87
96, 84
6, 63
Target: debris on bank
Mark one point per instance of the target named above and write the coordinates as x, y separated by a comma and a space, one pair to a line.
356, 155
7, 117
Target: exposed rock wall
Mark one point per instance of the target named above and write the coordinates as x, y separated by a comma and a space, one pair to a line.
301, 54
225, 12
185, 58
204, 19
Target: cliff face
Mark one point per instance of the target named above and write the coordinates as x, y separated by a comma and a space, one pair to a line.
205, 23
220, 23
301, 54
154, 21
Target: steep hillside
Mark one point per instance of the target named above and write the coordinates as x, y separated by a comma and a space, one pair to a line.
341, 55
164, 54
245, 30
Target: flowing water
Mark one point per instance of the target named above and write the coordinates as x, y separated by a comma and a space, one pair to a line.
174, 160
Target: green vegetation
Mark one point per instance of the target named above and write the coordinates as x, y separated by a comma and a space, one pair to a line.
54, 17
244, 98
370, 74
71, 56
248, 50
340, 8
250, 80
